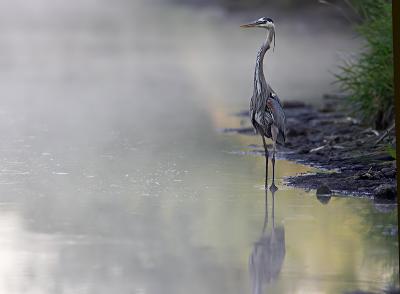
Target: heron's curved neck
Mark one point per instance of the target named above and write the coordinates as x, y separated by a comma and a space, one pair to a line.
259, 79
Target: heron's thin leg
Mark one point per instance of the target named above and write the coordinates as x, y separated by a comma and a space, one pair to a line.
266, 161
266, 206
273, 207
274, 132
273, 187
273, 164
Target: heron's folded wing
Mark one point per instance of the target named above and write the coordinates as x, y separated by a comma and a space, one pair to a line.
278, 115
274, 96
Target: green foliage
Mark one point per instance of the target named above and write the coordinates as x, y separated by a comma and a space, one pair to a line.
391, 150
369, 78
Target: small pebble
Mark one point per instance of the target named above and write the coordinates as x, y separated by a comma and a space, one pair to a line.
389, 172
323, 190
385, 191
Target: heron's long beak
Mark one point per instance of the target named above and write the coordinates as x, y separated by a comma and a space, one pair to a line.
249, 25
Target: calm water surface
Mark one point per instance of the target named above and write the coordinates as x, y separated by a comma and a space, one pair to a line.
114, 177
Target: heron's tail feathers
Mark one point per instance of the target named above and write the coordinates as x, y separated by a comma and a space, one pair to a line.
281, 138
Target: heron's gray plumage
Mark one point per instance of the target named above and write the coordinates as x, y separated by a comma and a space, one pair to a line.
265, 107
266, 111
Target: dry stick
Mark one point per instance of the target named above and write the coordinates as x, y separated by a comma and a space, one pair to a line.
385, 134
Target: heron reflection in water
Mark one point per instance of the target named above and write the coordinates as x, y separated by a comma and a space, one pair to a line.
266, 259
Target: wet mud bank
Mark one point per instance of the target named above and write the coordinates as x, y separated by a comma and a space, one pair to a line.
354, 158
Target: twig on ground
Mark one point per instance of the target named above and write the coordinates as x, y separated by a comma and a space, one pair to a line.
385, 134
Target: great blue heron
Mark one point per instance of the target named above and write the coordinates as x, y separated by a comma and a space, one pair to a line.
266, 111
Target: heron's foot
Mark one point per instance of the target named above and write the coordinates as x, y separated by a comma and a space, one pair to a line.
273, 188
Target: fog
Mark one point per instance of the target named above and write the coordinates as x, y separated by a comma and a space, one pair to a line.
114, 176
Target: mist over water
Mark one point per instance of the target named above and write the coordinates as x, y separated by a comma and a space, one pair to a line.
114, 177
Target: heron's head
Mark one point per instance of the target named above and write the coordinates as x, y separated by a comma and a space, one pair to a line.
263, 22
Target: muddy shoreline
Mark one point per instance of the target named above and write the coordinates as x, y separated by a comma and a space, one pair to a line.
353, 160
